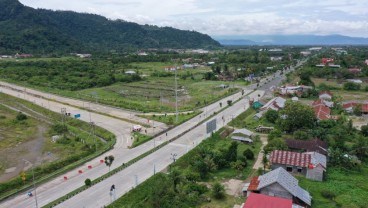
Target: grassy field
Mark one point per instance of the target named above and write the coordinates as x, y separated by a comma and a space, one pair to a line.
346, 189
246, 120
155, 92
13, 132
140, 139
171, 119
350, 95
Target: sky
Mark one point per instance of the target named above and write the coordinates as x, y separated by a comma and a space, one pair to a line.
231, 17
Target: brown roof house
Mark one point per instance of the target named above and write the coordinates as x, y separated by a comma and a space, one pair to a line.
280, 183
310, 164
312, 145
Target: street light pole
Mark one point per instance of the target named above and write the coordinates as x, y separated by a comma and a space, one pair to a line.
34, 184
176, 94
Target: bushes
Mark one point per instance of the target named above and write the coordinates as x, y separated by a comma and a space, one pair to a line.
21, 117
351, 86
248, 154
218, 190
272, 116
328, 194
88, 182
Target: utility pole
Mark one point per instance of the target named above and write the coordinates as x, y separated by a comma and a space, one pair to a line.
33, 180
93, 131
176, 95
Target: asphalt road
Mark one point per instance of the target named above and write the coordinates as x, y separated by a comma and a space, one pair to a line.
98, 195
58, 187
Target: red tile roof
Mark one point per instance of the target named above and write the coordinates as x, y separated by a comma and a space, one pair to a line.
322, 112
365, 108
348, 105
264, 201
290, 158
353, 104
355, 70
253, 184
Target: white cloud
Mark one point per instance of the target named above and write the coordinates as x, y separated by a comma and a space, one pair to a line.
236, 17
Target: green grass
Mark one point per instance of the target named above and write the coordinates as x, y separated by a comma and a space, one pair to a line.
171, 119
140, 139
350, 189
72, 152
152, 94
13, 132
246, 120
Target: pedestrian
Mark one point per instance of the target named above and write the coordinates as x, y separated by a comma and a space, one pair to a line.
166, 133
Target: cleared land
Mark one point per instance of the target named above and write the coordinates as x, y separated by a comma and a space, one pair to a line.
150, 89
30, 139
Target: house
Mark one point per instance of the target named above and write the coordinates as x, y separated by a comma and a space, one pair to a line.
322, 112
243, 135
276, 58
188, 66
290, 90
355, 70
325, 95
170, 68
322, 102
310, 164
334, 65
83, 55
142, 54
349, 107
23, 55
276, 103
327, 60
315, 49
312, 145
320, 65
263, 201
366, 62
130, 72
280, 183
356, 81
305, 53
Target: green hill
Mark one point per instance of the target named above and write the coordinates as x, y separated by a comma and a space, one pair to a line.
27, 30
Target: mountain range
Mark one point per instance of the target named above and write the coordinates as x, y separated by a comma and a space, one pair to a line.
291, 40
27, 30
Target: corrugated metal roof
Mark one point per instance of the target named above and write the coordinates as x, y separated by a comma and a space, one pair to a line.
243, 131
243, 139
287, 181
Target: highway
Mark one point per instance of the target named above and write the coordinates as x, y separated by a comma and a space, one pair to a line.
98, 195
141, 170
58, 187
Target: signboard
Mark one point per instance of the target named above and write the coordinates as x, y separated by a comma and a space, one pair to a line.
211, 126
77, 115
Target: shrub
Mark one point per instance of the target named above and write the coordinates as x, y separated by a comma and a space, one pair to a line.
272, 116
21, 117
59, 128
88, 182
301, 135
218, 190
351, 86
328, 194
248, 154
